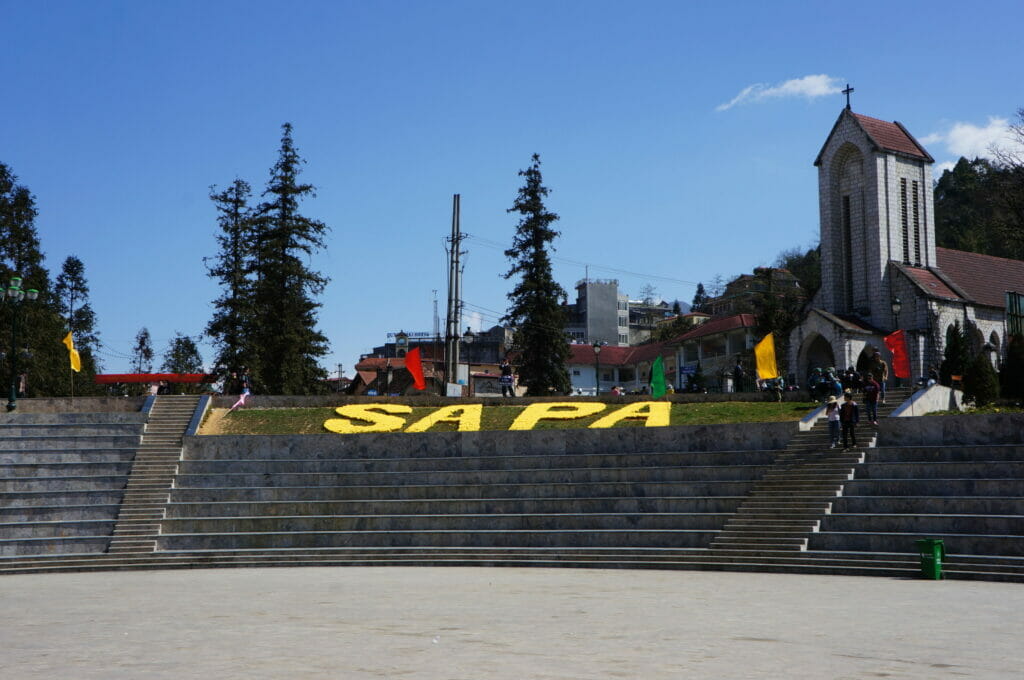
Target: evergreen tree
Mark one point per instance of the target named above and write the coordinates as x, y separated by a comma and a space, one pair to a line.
233, 324
981, 384
700, 299
39, 353
142, 353
1012, 373
676, 308
72, 294
284, 288
805, 266
182, 356
534, 303
956, 356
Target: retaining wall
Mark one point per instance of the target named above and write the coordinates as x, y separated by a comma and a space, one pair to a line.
495, 443
993, 428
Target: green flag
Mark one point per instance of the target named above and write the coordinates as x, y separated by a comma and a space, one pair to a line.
658, 378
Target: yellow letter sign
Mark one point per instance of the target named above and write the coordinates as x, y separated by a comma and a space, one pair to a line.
654, 413
467, 417
563, 410
374, 417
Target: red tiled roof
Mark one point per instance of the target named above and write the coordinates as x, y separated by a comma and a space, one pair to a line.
891, 136
930, 283
727, 323
610, 356
984, 278
625, 356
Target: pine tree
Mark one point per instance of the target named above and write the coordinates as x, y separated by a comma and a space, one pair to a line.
142, 353
676, 308
233, 325
39, 353
534, 303
981, 384
284, 288
1011, 374
956, 356
182, 356
700, 299
71, 291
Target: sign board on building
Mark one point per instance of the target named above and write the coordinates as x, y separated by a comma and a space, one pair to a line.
687, 370
418, 334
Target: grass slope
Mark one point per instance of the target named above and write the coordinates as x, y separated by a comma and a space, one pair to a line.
310, 420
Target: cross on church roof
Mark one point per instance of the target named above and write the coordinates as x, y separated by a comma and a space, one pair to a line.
847, 92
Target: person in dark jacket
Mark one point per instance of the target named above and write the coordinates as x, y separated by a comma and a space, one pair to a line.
849, 416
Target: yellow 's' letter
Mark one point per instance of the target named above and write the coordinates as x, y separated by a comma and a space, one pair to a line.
534, 413
374, 417
467, 417
655, 413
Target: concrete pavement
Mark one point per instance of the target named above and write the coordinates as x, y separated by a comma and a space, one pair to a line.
392, 622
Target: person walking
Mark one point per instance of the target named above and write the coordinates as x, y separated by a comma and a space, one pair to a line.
832, 416
849, 416
871, 391
880, 372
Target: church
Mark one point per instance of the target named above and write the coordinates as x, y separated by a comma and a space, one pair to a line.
881, 269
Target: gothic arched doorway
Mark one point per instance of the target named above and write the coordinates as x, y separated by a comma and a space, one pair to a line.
816, 352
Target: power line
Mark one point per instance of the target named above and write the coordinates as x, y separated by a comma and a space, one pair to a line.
624, 272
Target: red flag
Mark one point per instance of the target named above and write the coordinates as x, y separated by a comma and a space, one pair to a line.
897, 344
415, 366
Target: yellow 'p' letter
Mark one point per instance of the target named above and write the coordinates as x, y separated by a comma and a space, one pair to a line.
534, 413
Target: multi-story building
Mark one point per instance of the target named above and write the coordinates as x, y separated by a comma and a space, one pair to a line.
600, 314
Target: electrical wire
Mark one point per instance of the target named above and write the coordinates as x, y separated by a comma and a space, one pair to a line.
488, 243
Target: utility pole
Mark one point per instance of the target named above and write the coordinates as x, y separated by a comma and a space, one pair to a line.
451, 350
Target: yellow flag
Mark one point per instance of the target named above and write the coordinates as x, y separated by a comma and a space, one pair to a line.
764, 354
76, 361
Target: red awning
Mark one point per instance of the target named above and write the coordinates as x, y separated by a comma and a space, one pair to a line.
112, 378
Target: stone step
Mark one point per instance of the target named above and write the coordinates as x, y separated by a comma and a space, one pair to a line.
575, 522
663, 538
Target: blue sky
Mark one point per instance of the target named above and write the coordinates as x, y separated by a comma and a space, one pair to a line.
120, 115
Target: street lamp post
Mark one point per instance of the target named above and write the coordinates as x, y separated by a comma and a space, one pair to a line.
896, 305
597, 368
16, 296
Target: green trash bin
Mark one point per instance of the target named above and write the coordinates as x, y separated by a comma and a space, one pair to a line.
932, 552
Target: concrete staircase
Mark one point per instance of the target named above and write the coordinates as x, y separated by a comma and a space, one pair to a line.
786, 506
62, 477
637, 498
152, 475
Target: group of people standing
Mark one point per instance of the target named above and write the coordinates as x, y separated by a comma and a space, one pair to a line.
843, 416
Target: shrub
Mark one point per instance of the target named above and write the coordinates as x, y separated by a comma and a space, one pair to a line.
981, 384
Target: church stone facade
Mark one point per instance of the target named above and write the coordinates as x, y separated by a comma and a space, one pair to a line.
878, 246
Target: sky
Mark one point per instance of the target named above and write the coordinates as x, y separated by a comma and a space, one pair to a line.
677, 138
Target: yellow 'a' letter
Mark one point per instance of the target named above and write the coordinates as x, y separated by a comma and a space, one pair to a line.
467, 417
534, 413
374, 417
655, 413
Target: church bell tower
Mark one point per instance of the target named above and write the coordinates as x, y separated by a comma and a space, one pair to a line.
875, 198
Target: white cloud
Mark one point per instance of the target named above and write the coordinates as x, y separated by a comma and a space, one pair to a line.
808, 87
973, 141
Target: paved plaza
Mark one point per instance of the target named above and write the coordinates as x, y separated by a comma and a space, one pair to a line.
475, 623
